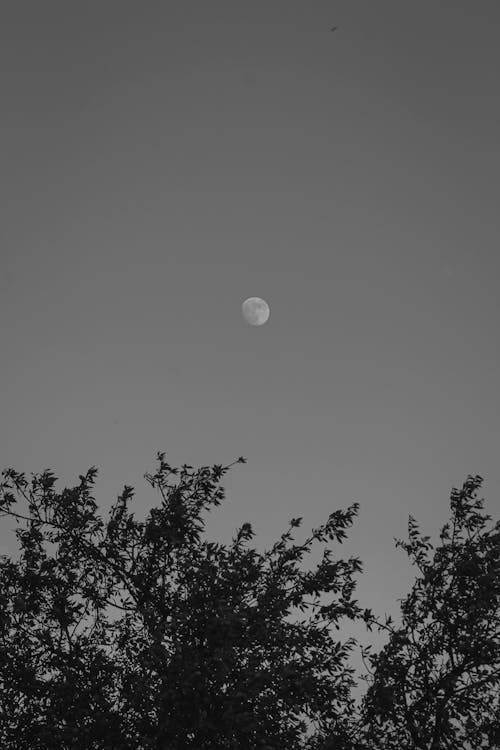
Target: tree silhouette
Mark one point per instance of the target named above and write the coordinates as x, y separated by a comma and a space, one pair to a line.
436, 684
201, 654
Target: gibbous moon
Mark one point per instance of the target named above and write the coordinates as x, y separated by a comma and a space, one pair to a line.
255, 311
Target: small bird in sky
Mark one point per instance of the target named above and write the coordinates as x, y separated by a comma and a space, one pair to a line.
334, 28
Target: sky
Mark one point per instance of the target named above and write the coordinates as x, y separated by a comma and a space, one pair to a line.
163, 161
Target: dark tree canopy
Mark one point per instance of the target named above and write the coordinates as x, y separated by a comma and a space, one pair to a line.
201, 655
201, 652
436, 684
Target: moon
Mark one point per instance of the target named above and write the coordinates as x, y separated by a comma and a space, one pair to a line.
255, 311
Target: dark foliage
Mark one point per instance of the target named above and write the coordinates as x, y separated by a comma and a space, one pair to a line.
436, 684
201, 653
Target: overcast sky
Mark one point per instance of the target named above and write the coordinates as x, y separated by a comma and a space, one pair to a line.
163, 161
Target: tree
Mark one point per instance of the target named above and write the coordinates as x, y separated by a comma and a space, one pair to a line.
201, 654
436, 684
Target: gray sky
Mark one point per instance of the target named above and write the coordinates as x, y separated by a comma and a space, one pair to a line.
163, 161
